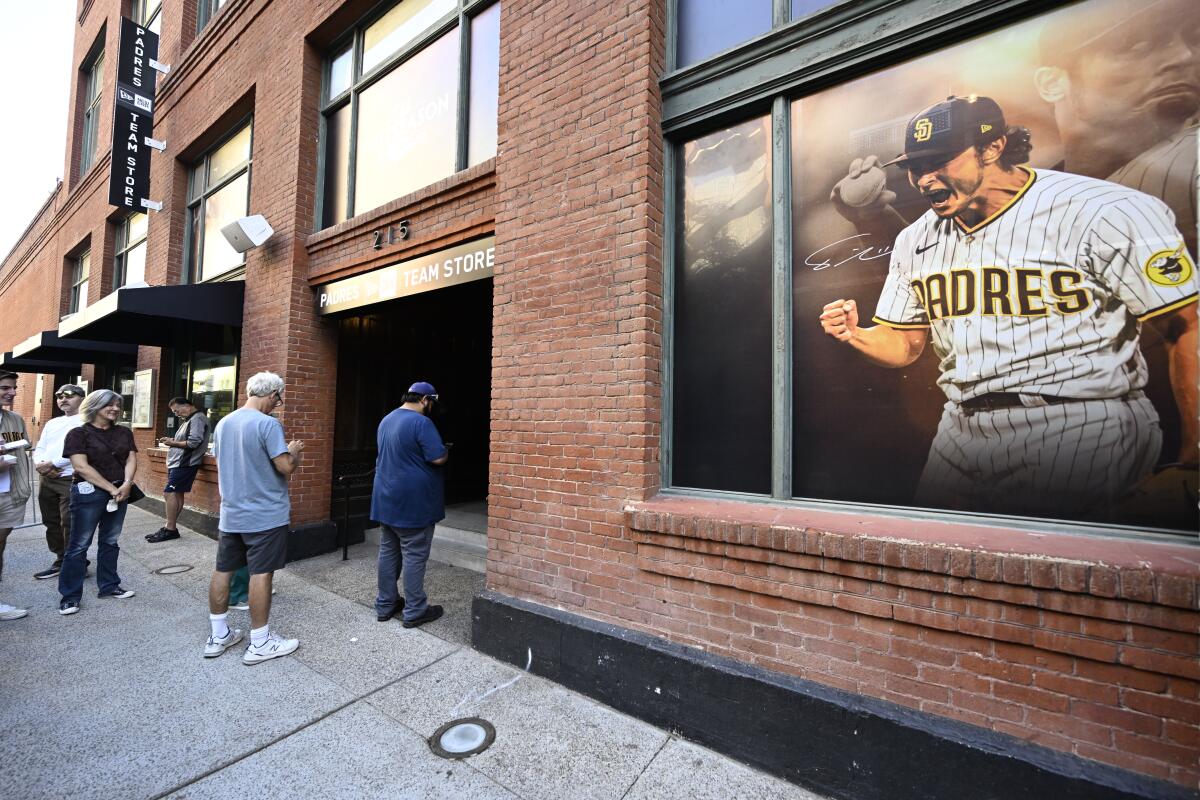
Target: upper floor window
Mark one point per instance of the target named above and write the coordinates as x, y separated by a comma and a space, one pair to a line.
218, 193
80, 266
130, 263
399, 111
707, 27
92, 83
148, 13
206, 10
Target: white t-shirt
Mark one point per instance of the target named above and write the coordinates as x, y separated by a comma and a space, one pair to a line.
50, 444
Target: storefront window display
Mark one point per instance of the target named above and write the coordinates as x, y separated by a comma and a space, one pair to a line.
1005, 232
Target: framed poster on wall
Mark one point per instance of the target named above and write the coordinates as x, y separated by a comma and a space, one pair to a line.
142, 415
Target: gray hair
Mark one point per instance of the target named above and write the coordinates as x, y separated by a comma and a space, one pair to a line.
264, 384
97, 400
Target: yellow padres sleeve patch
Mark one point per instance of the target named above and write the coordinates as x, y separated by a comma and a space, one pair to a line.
1170, 267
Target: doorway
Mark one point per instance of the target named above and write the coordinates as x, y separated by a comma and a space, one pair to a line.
443, 337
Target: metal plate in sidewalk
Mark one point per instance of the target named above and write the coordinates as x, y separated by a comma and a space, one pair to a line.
461, 738
173, 569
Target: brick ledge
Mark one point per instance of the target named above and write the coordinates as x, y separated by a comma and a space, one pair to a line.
1141, 571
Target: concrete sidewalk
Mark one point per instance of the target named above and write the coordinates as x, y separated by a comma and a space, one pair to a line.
116, 701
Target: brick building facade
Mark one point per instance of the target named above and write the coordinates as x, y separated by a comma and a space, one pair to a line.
1030, 656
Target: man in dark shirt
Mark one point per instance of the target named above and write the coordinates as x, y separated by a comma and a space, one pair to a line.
408, 499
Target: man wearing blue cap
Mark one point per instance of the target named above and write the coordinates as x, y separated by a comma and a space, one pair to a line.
408, 499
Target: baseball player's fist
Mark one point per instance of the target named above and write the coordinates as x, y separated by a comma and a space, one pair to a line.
863, 191
839, 319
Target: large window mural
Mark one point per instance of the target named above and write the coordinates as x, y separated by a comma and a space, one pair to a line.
994, 283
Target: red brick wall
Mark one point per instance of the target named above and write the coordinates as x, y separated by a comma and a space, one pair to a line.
1047, 641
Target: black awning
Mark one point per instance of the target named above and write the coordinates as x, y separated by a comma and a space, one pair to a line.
158, 316
48, 347
29, 365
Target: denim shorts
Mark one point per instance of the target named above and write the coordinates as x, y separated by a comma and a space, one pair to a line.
262, 552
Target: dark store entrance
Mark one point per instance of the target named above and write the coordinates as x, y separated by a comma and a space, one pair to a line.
443, 337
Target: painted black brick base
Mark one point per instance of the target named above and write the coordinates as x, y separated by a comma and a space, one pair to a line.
832, 742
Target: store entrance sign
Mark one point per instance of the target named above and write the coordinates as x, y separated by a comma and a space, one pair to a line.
461, 264
133, 118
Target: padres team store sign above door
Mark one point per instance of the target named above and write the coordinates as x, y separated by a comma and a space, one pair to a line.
993, 275
466, 262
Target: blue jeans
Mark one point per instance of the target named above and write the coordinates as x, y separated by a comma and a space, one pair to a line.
403, 550
88, 512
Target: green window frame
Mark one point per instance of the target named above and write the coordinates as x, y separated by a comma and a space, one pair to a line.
148, 14
130, 254
80, 269
93, 86
355, 64
222, 168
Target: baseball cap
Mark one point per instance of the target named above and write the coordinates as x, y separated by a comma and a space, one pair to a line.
947, 128
70, 388
421, 387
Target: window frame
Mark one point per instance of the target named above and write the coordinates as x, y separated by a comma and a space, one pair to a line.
206, 11
765, 75
197, 201
139, 13
93, 93
81, 267
461, 19
123, 246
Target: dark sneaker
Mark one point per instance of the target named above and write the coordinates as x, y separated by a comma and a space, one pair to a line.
162, 535
431, 613
51, 572
67, 607
120, 593
394, 612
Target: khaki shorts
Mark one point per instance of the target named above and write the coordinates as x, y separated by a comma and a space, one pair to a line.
262, 552
11, 514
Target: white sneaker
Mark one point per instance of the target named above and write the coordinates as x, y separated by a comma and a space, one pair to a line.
11, 612
274, 647
240, 606
214, 646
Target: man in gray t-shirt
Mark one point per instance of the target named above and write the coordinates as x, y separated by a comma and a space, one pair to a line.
253, 466
187, 449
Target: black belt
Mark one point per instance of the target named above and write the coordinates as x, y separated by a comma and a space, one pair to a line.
993, 401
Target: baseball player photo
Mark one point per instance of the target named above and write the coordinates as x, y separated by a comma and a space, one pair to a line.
1032, 287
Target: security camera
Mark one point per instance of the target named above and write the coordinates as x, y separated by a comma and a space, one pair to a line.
247, 232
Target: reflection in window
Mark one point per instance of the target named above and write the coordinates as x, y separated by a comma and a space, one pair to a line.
802, 8
722, 338
80, 266
130, 263
485, 85
93, 81
205, 12
706, 27
395, 130
219, 193
148, 13
396, 29
213, 384
409, 118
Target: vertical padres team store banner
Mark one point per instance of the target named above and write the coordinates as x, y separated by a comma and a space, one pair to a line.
1056, 375
133, 117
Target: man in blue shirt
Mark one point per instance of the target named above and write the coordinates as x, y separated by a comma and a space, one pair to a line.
408, 499
253, 467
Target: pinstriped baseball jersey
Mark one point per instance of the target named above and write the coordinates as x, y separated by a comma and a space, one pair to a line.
1168, 172
1045, 296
